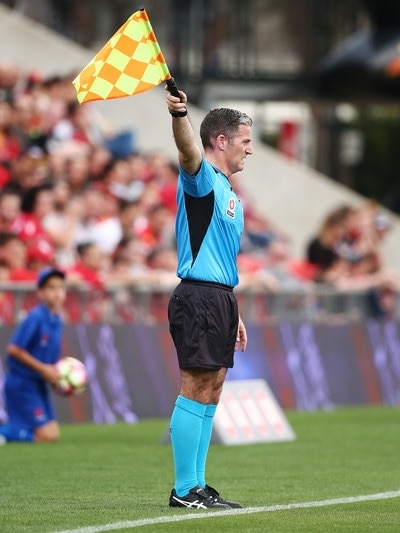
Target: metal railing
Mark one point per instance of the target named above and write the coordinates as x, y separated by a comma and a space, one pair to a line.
122, 303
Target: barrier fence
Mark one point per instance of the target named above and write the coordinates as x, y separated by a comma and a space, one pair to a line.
121, 303
342, 358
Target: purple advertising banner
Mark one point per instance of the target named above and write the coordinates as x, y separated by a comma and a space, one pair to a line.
133, 371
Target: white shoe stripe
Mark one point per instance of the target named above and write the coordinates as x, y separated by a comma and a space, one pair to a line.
197, 504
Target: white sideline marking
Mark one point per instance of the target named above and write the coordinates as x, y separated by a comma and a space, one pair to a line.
232, 512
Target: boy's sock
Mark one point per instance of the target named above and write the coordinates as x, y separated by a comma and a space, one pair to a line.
205, 439
186, 429
13, 434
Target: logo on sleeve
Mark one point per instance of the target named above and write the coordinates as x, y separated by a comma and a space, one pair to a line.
230, 210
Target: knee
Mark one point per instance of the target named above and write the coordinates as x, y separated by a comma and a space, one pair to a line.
54, 437
48, 434
215, 397
216, 394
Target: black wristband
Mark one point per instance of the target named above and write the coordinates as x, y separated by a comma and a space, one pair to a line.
178, 114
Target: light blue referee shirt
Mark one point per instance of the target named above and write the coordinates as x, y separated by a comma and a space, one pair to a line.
209, 225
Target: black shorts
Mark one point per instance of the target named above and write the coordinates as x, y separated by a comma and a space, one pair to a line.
203, 321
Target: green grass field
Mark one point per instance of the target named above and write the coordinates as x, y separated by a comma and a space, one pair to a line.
114, 478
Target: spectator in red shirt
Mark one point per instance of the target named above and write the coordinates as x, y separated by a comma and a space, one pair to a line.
40, 254
159, 229
10, 210
13, 252
90, 266
89, 271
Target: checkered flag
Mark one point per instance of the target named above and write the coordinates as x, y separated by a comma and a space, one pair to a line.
131, 62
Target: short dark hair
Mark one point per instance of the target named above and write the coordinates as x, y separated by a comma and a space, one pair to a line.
83, 247
6, 237
222, 121
47, 273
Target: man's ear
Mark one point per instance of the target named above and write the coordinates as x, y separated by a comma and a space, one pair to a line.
221, 142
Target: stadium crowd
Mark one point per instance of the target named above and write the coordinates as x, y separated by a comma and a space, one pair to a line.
76, 194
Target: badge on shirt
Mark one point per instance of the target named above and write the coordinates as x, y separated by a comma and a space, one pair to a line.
39, 415
230, 210
44, 340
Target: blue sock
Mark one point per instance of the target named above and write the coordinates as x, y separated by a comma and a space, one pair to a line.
13, 434
205, 439
186, 428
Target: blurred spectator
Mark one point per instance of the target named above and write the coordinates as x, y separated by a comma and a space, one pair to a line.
10, 75
162, 262
99, 158
122, 182
100, 223
159, 227
161, 276
89, 273
29, 170
10, 143
13, 252
131, 216
130, 260
165, 174
40, 254
346, 252
77, 171
76, 126
62, 221
368, 231
90, 267
12, 219
323, 249
289, 273
259, 230
10, 210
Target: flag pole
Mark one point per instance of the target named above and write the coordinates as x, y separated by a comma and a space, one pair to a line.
172, 86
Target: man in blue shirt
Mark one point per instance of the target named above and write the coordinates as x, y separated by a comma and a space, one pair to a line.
203, 313
33, 350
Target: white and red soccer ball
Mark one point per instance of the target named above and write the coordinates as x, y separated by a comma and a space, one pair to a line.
73, 376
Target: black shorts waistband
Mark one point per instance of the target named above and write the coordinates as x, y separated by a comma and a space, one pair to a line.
208, 284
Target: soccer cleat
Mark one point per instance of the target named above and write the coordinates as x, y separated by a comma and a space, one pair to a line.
197, 498
215, 494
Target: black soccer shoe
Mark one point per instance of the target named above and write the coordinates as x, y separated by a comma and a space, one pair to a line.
197, 498
215, 494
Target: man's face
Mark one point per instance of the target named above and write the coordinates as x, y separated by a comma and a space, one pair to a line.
10, 207
14, 253
238, 148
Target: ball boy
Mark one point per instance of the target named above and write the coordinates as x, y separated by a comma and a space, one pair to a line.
34, 348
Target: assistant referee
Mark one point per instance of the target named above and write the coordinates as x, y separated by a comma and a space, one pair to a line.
203, 313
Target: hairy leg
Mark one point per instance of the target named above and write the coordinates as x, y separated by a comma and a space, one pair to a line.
202, 385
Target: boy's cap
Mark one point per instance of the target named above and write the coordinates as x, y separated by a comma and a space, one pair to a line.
45, 274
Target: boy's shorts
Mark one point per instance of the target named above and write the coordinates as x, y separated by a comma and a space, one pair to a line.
203, 322
28, 402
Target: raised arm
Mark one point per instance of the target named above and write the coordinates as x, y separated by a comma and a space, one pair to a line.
190, 155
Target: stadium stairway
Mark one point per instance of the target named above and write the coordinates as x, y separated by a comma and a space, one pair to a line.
294, 196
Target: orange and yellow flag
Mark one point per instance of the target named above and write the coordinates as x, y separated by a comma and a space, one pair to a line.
129, 63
